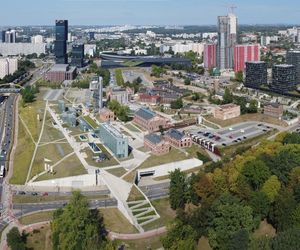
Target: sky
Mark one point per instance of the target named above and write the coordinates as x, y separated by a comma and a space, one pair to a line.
142, 12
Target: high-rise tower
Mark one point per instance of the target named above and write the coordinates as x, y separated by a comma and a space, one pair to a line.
61, 37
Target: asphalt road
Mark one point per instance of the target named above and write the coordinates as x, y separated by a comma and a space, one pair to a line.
6, 131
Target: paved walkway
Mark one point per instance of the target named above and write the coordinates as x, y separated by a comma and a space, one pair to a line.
139, 236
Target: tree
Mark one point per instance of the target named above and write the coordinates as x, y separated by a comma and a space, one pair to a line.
260, 204
240, 240
179, 237
28, 94
187, 81
256, 173
228, 97
239, 76
178, 189
14, 239
177, 104
253, 106
75, 227
292, 138
281, 215
227, 217
122, 112
287, 240
271, 187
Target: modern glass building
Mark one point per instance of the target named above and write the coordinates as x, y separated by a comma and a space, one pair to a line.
293, 58
256, 74
113, 139
77, 55
60, 44
283, 78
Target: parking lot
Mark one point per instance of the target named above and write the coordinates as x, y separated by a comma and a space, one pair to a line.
229, 135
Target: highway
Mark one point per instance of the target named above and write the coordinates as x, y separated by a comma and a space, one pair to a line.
6, 131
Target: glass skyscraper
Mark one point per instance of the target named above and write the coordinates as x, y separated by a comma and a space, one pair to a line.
60, 45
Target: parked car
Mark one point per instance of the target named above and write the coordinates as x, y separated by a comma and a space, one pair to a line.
34, 193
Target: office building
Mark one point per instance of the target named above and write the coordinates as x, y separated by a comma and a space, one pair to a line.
60, 44
77, 55
283, 78
156, 144
38, 39
149, 120
14, 49
9, 36
227, 39
227, 111
265, 41
256, 74
113, 139
96, 85
245, 53
8, 66
293, 58
178, 139
60, 73
119, 94
210, 56
274, 109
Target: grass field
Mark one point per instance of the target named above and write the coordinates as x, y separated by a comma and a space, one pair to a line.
245, 118
40, 239
119, 77
36, 217
150, 243
90, 121
41, 199
115, 221
71, 166
107, 163
22, 158
135, 195
163, 208
173, 156
117, 171
52, 152
132, 127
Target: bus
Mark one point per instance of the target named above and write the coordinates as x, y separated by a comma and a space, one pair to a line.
2, 171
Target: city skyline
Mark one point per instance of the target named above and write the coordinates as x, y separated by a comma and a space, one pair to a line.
159, 12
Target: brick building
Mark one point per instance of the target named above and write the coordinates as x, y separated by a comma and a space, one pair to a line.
178, 139
227, 111
156, 144
106, 115
60, 73
149, 120
274, 110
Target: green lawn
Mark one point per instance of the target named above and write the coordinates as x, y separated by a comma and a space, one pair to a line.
22, 158
119, 77
51, 152
71, 166
36, 217
132, 127
107, 163
115, 221
40, 239
117, 171
172, 156
135, 195
150, 243
90, 121
163, 208
41, 199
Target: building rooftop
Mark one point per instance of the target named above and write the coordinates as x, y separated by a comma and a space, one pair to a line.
62, 68
176, 134
274, 104
154, 138
284, 66
145, 113
228, 106
112, 130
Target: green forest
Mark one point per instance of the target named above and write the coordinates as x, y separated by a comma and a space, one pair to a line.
227, 204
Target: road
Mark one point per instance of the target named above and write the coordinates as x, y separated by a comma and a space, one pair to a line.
6, 132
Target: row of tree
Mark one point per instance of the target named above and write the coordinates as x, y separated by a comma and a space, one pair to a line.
121, 111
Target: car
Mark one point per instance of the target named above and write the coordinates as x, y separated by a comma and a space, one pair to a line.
245, 137
34, 193
235, 141
265, 130
259, 125
21, 193
239, 139
224, 144
45, 194
230, 136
